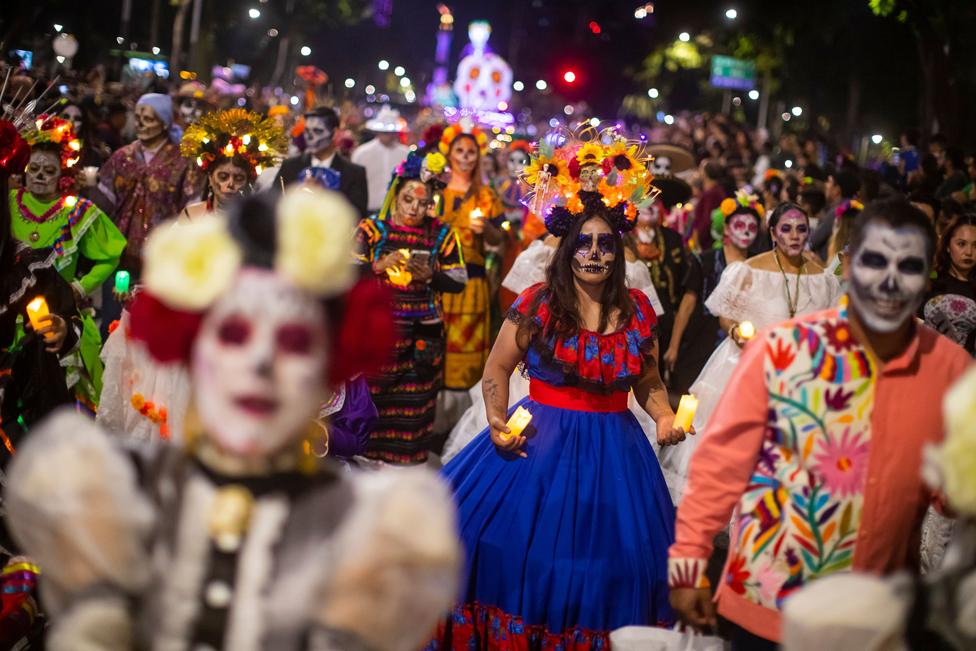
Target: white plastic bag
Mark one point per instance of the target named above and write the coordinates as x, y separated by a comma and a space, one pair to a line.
649, 638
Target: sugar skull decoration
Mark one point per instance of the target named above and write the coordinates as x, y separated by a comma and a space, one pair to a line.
484, 79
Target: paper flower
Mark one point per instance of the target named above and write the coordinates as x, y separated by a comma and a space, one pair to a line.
435, 162
590, 154
315, 236
189, 264
958, 454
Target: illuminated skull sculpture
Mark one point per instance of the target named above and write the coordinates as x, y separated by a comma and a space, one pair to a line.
484, 79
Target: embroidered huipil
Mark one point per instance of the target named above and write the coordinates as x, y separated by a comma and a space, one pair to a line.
818, 446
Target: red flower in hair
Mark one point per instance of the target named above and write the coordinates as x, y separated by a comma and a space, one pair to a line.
167, 333
574, 168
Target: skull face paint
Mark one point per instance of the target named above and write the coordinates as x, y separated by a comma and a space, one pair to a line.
590, 177
318, 135
43, 173
791, 233
227, 180
72, 114
596, 250
259, 365
517, 160
412, 204
464, 155
191, 109
888, 276
150, 129
742, 229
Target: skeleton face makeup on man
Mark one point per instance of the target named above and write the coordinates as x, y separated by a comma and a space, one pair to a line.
412, 203
596, 250
888, 275
318, 134
590, 177
43, 173
259, 365
150, 129
464, 155
791, 233
517, 160
227, 180
742, 229
72, 114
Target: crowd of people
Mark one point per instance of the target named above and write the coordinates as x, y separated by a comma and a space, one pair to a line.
608, 342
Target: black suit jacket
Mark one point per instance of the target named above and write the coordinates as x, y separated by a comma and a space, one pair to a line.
352, 178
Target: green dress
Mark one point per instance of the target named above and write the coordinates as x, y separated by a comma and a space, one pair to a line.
74, 231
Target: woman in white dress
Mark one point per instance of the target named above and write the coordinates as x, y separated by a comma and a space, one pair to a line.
764, 290
528, 269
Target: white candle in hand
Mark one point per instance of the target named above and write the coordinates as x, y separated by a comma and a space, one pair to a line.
686, 412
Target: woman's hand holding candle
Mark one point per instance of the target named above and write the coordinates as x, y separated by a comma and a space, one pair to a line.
686, 412
49, 326
476, 221
505, 438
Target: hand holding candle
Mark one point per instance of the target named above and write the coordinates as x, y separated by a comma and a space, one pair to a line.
40, 318
686, 412
517, 422
476, 220
746, 330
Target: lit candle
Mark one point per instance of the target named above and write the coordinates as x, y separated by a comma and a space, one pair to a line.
517, 422
476, 216
746, 330
37, 310
686, 412
121, 282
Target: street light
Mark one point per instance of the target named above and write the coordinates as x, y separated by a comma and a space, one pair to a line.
383, 64
541, 84
254, 13
653, 93
58, 27
668, 119
594, 122
518, 86
370, 89
684, 37
796, 111
350, 82
568, 109
155, 51
786, 117
399, 71
731, 14
294, 100
410, 96
273, 32
753, 94
305, 51
569, 76
877, 138
404, 82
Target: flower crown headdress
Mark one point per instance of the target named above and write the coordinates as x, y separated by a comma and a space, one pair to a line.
234, 134
848, 204
52, 129
461, 128
573, 169
744, 200
431, 169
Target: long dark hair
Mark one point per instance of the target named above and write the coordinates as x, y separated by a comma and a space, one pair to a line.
560, 290
943, 259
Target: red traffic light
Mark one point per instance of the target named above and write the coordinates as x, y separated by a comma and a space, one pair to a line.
595, 27
569, 76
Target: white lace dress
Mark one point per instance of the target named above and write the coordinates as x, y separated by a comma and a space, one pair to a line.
743, 294
529, 269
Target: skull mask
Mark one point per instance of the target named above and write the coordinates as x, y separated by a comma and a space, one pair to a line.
259, 365
318, 134
596, 251
43, 174
149, 127
888, 275
742, 229
590, 177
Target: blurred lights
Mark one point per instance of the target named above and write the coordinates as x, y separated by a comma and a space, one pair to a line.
644, 11
788, 164
595, 27
594, 122
155, 50
399, 71
684, 37
753, 95
383, 64
786, 117
797, 111
541, 84
653, 93
877, 138
503, 105
569, 76
568, 109
305, 51
669, 119
58, 27
350, 82
254, 13
736, 101
294, 100
273, 32
553, 123
60, 59
370, 89
119, 40
410, 96
404, 82
731, 14
518, 86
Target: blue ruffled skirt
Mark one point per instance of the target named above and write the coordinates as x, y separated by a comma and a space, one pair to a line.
572, 540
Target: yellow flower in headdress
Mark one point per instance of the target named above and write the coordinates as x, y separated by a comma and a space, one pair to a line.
623, 157
435, 162
556, 168
590, 154
251, 137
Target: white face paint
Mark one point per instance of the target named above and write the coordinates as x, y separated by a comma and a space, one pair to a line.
43, 173
742, 229
259, 365
149, 127
596, 251
318, 135
791, 233
517, 160
888, 276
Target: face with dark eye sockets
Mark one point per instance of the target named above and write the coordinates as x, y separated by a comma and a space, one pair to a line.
888, 276
791, 233
596, 250
259, 365
742, 229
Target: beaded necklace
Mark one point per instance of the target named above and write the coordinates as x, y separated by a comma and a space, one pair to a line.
27, 215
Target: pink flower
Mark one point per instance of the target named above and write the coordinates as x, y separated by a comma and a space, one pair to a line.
770, 581
842, 463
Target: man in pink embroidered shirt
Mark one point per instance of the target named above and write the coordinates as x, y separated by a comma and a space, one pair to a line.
817, 443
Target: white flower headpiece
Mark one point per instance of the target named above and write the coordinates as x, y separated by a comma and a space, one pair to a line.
188, 265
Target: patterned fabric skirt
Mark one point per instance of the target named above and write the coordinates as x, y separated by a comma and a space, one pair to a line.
467, 321
405, 395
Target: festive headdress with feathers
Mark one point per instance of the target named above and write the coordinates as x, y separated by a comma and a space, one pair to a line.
432, 169
464, 127
248, 138
574, 170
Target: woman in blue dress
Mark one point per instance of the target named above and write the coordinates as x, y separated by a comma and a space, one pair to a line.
566, 526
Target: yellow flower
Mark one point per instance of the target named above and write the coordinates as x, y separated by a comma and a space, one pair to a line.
590, 154
958, 454
557, 168
138, 401
315, 237
624, 157
189, 264
435, 162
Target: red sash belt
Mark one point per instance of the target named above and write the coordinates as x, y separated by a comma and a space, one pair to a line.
576, 399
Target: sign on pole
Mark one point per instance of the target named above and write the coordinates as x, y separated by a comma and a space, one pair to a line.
728, 72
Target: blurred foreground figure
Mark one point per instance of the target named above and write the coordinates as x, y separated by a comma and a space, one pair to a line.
243, 539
